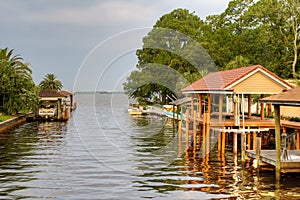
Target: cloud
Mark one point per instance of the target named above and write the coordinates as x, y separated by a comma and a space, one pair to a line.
98, 13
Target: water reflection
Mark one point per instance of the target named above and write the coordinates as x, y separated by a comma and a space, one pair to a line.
19, 159
105, 154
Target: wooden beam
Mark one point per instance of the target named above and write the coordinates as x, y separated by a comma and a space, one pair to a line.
277, 139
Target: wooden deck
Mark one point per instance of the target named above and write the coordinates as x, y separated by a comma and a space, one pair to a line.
269, 157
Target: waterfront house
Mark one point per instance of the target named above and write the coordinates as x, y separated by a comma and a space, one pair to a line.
55, 105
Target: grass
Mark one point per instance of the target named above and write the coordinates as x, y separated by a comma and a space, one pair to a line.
5, 117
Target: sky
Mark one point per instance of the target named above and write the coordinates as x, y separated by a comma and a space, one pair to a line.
88, 44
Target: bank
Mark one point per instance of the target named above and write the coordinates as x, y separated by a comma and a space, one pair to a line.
13, 122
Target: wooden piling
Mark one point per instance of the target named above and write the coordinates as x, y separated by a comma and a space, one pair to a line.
298, 140
204, 134
243, 146
223, 142
258, 150
254, 140
234, 143
249, 141
220, 142
207, 133
277, 139
195, 130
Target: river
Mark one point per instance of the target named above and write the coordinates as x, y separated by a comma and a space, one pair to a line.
103, 153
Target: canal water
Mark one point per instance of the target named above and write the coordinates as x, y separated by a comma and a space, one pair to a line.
103, 153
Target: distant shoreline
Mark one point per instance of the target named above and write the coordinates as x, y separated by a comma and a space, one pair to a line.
100, 92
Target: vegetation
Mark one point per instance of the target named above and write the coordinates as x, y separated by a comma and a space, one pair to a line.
170, 58
5, 117
17, 89
50, 82
248, 32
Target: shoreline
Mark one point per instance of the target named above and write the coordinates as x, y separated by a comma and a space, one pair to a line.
12, 123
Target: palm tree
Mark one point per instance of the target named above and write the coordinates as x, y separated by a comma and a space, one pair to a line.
50, 82
15, 82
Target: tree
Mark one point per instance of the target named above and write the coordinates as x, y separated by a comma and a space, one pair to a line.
171, 57
50, 82
17, 89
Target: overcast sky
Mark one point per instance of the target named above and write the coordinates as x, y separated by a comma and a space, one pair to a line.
89, 44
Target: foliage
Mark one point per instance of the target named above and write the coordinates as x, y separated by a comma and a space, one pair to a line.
5, 117
17, 89
50, 82
248, 32
170, 59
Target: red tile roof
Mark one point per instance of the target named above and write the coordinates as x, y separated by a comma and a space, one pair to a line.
221, 80
66, 93
50, 93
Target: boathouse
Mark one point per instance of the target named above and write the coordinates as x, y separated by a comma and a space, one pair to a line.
284, 158
210, 117
55, 105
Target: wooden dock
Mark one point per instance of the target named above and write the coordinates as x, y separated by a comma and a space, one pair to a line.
269, 157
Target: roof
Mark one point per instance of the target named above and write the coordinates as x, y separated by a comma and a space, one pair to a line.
51, 93
66, 93
288, 98
223, 81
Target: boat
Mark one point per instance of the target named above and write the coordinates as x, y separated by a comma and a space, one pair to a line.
135, 110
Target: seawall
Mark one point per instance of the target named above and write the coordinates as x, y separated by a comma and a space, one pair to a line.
11, 123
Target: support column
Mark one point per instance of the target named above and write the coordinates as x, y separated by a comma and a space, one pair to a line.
192, 105
262, 110
223, 142
200, 105
243, 144
195, 130
219, 142
234, 143
235, 110
221, 97
249, 105
59, 109
277, 139
204, 135
249, 141
209, 104
187, 130
254, 140
298, 140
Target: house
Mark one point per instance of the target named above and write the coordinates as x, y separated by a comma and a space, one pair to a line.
211, 116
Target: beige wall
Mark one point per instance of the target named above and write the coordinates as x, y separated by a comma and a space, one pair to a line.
258, 83
288, 111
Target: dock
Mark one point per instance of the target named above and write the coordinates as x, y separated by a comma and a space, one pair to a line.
269, 157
